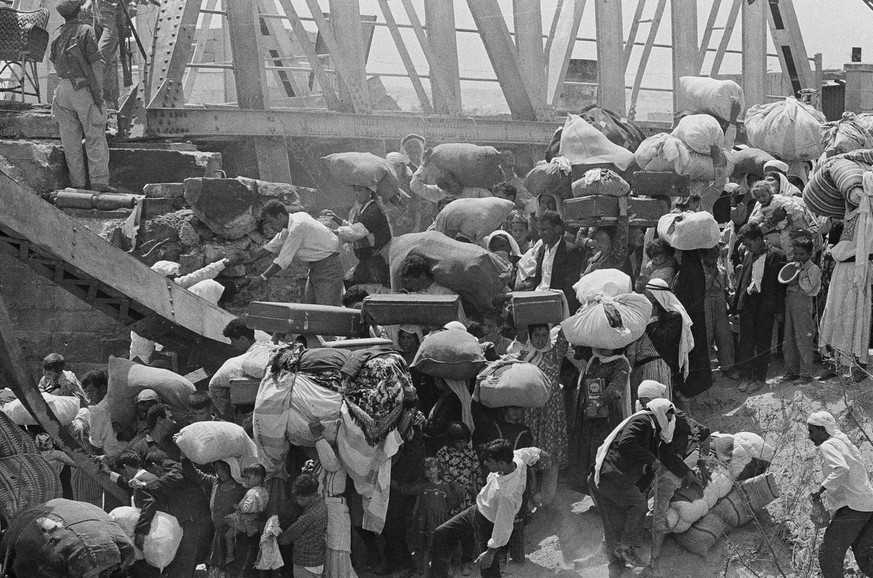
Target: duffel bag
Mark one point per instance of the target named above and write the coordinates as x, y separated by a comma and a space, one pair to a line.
699, 132
64, 407
362, 170
750, 161
601, 182
581, 143
449, 354
609, 322
476, 274
661, 152
550, 178
512, 383
699, 94
689, 230
469, 164
205, 442
126, 379
790, 130
609, 282
472, 218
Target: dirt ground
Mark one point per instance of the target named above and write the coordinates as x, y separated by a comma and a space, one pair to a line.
782, 544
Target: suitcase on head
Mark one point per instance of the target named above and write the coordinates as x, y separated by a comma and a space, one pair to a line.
537, 307
300, 318
654, 184
597, 210
427, 310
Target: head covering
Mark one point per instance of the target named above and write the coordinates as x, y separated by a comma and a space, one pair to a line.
398, 158
68, 7
147, 395
786, 189
513, 245
526, 351
660, 407
731, 187
455, 325
166, 268
393, 332
670, 302
208, 289
517, 216
459, 388
775, 166
651, 389
826, 420
410, 137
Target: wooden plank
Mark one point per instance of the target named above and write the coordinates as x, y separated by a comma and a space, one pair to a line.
13, 362
733, 15
647, 51
173, 43
685, 45
405, 57
561, 48
504, 59
755, 53
528, 22
707, 33
632, 34
610, 58
442, 40
200, 40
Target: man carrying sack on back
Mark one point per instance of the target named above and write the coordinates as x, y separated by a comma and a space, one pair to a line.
78, 102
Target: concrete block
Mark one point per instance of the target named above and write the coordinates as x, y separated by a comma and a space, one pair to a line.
78, 347
226, 206
40, 166
132, 169
154, 206
28, 124
164, 190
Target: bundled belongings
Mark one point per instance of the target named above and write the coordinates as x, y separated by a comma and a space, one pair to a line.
257, 358
711, 96
66, 538
609, 282
160, 544
581, 143
716, 167
476, 274
660, 184
26, 478
688, 506
601, 182
609, 322
469, 164
509, 382
550, 178
689, 230
617, 129
662, 152
599, 210
750, 161
64, 407
475, 219
827, 192
449, 354
745, 454
790, 130
363, 170
699, 132
205, 442
127, 379
845, 135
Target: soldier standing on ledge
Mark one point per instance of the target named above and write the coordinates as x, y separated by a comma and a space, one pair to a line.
78, 102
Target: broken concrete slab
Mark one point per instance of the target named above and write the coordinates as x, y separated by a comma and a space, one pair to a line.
38, 164
226, 206
290, 195
131, 169
164, 190
28, 124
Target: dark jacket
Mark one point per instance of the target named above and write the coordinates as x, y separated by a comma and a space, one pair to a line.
566, 270
771, 299
635, 450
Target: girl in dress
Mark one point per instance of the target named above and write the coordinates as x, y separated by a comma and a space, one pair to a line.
436, 499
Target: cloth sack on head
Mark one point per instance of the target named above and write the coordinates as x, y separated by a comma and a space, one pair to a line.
449, 354
64, 407
127, 379
472, 218
662, 153
711, 96
507, 382
581, 143
350, 169
699, 132
552, 178
609, 323
609, 282
788, 129
600, 182
689, 231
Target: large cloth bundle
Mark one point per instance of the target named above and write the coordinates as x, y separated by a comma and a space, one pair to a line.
826, 193
507, 382
375, 391
619, 130
126, 379
702, 535
550, 178
205, 442
789, 129
87, 543
601, 182
699, 132
609, 323
710, 96
705, 168
609, 282
845, 135
690, 511
472, 218
26, 478
64, 407
750, 161
469, 164
363, 170
689, 231
449, 354
160, 544
257, 358
747, 497
738, 450
476, 274
662, 153
581, 143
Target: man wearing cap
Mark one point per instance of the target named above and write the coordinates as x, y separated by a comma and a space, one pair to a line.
776, 173
78, 101
848, 495
145, 400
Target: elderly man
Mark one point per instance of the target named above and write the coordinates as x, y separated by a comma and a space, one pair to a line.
848, 495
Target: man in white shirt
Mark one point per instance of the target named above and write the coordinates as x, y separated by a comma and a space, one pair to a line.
848, 495
490, 520
302, 237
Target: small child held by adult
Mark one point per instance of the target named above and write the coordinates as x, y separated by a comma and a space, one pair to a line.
800, 314
246, 513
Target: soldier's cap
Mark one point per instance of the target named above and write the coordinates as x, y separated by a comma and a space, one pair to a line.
68, 7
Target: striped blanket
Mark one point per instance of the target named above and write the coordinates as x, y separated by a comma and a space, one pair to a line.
827, 190
26, 478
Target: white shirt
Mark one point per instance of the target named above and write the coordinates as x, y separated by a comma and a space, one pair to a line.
102, 434
304, 238
548, 265
846, 479
500, 499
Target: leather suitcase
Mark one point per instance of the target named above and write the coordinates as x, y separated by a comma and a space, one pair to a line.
244, 390
601, 209
536, 307
427, 310
653, 184
297, 318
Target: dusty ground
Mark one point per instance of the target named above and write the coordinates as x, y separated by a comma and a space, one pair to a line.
781, 544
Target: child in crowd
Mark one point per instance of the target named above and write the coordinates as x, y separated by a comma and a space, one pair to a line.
661, 264
460, 464
437, 498
718, 328
799, 314
247, 511
58, 381
308, 533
